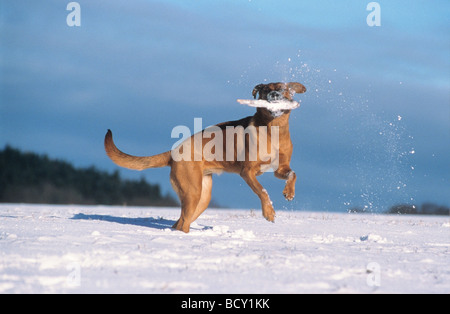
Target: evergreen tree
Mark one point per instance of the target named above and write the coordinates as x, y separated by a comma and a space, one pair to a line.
32, 178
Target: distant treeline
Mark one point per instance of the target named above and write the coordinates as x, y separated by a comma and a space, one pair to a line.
409, 209
33, 178
424, 209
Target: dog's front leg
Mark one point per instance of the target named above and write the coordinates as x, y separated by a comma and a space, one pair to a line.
286, 173
267, 209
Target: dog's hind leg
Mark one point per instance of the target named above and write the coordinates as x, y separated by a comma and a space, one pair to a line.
187, 182
205, 197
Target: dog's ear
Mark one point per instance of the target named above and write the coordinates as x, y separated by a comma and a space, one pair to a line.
256, 90
296, 87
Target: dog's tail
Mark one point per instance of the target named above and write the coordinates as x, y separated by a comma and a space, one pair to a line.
134, 162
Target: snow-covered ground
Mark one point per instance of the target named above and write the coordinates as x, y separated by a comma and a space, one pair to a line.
89, 249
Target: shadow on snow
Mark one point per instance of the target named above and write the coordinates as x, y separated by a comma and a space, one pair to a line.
155, 223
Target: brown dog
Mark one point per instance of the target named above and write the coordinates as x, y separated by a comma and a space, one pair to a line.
191, 178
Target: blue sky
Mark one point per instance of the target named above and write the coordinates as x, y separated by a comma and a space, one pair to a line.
373, 129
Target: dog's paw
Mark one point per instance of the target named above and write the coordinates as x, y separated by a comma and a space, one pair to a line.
270, 218
269, 214
288, 194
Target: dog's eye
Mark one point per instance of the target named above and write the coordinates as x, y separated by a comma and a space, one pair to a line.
274, 96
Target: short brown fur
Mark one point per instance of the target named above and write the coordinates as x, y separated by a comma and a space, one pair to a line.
192, 180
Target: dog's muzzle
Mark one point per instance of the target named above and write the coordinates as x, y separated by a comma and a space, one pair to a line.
274, 96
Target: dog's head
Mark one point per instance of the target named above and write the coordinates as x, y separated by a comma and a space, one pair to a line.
273, 92
278, 91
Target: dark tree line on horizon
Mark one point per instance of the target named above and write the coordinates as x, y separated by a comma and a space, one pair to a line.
33, 178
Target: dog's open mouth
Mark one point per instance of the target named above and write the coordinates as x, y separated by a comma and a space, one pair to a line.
277, 105
276, 97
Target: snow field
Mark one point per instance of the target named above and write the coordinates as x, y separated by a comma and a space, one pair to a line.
109, 249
